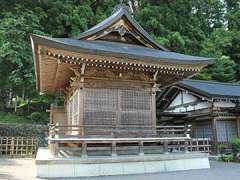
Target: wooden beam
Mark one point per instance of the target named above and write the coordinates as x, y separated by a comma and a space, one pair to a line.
56, 75
155, 76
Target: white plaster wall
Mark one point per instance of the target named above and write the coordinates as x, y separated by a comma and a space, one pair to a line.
200, 105
224, 104
176, 101
187, 98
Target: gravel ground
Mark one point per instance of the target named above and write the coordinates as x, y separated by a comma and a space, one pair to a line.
24, 169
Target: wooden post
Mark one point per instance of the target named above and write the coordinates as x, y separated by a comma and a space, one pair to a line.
165, 147
81, 110
56, 131
140, 150
55, 148
119, 104
114, 148
214, 139
153, 101
238, 126
186, 146
186, 133
12, 147
84, 149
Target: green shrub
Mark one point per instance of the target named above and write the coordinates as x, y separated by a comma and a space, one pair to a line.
7, 117
222, 148
39, 118
228, 158
25, 130
235, 146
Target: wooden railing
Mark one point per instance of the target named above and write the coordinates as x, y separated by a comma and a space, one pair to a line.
18, 146
164, 136
161, 131
200, 145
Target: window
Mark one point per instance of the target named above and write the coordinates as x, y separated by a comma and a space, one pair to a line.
226, 130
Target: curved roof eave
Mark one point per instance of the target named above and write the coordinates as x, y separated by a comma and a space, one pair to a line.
91, 47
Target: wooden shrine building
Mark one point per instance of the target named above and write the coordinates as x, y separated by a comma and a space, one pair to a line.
109, 76
211, 107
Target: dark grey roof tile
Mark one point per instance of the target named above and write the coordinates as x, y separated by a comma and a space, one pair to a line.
213, 89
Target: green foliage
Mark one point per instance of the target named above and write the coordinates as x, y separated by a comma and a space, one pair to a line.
224, 69
34, 118
236, 146
235, 143
25, 130
39, 118
13, 118
227, 158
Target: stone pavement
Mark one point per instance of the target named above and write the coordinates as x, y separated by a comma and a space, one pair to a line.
24, 169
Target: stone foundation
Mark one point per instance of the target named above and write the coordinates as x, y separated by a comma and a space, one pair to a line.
52, 167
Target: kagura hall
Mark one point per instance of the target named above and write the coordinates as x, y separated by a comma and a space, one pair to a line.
109, 76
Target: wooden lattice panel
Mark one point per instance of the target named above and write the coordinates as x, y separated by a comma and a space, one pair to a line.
135, 107
18, 146
100, 108
104, 99
112, 110
135, 100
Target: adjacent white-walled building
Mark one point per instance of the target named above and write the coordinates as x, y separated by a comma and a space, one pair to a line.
211, 107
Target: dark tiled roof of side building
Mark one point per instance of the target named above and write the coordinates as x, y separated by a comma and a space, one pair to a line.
211, 88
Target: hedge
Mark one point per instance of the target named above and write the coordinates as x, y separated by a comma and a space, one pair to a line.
25, 130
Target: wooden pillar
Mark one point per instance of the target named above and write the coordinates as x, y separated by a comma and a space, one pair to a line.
238, 126
114, 148
165, 147
153, 100
56, 148
118, 119
81, 109
140, 150
84, 149
214, 135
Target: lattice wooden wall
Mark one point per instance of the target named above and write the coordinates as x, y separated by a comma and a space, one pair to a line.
112, 107
135, 107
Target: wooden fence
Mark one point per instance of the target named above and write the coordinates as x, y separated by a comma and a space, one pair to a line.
200, 145
194, 144
18, 146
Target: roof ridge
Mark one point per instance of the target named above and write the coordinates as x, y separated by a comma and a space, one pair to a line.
112, 19
213, 82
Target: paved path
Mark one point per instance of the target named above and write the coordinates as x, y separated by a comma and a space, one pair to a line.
24, 169
17, 169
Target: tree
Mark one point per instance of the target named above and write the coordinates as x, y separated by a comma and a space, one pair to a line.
16, 62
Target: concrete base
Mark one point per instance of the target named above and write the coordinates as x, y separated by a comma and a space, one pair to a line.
52, 167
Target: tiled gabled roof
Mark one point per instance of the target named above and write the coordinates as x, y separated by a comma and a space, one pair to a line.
114, 18
120, 49
212, 89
